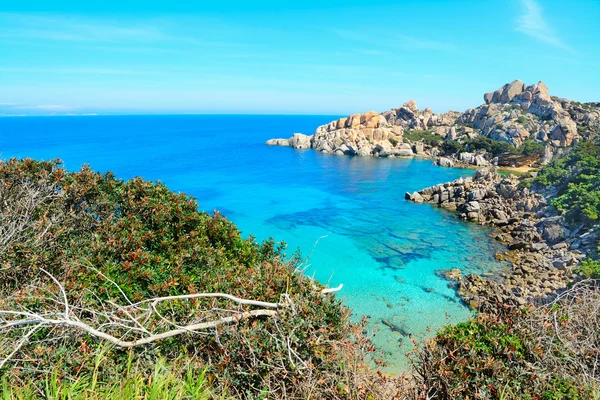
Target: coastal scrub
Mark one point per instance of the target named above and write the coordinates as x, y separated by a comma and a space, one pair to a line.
87, 256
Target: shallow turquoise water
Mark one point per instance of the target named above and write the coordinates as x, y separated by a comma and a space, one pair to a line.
347, 213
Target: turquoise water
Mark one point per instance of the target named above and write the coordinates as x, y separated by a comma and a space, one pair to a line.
347, 213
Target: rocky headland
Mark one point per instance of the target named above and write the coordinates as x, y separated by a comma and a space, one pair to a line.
516, 125
542, 248
513, 114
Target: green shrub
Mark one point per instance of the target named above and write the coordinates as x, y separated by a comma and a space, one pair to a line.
531, 148
452, 147
426, 137
526, 182
577, 177
491, 357
589, 269
393, 141
493, 147
93, 229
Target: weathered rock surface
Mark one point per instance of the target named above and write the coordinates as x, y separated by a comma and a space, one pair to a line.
514, 113
444, 162
363, 135
300, 141
278, 142
543, 252
375, 134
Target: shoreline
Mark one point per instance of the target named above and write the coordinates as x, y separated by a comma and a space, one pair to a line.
475, 290
541, 249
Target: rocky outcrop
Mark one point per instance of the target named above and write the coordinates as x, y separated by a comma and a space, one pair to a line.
360, 134
409, 117
375, 134
297, 141
278, 142
542, 250
300, 141
514, 113
382, 135
444, 162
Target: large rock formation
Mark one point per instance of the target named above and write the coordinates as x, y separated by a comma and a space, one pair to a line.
358, 134
514, 113
375, 134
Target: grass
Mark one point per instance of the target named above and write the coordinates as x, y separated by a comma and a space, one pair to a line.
168, 381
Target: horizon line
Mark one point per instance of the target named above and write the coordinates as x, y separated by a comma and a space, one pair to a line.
158, 114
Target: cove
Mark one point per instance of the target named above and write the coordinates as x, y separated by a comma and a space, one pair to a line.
347, 213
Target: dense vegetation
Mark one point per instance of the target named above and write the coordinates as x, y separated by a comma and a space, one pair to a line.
110, 245
576, 177
547, 353
537, 353
480, 143
426, 137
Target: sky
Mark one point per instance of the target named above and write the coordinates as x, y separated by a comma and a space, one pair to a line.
277, 57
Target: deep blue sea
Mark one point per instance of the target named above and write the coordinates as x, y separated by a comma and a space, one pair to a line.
347, 213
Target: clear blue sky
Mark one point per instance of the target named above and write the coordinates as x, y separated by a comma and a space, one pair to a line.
322, 57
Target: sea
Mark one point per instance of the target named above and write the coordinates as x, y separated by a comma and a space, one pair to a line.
346, 215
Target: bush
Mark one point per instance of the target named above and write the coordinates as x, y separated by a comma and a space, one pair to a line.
577, 178
430, 139
589, 269
452, 147
111, 242
517, 354
493, 147
531, 148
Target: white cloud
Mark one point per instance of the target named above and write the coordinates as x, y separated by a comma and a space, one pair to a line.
79, 29
532, 23
17, 109
46, 107
83, 71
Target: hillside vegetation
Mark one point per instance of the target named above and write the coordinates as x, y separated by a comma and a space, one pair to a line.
95, 274
532, 352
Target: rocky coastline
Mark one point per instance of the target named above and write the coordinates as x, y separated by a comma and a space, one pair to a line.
542, 248
514, 114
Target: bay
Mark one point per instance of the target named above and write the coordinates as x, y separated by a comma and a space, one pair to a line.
348, 214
